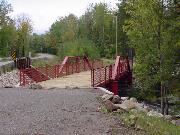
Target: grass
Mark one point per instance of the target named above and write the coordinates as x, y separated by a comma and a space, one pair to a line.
108, 61
151, 125
43, 62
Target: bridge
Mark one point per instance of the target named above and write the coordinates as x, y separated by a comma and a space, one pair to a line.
92, 72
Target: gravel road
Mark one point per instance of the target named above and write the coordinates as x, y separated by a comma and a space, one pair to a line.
55, 112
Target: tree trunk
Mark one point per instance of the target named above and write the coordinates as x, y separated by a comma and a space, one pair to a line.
166, 109
162, 99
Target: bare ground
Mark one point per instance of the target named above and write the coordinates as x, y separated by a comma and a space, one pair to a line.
55, 112
80, 80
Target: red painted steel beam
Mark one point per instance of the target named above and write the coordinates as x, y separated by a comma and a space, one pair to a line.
115, 71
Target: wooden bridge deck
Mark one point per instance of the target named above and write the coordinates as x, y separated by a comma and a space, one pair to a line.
77, 80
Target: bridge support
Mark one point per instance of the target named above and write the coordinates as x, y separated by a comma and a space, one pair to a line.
114, 87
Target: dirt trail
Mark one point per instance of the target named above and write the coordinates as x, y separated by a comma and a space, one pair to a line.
55, 112
80, 80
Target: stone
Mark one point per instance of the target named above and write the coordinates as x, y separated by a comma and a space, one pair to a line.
154, 114
133, 99
175, 122
110, 106
116, 99
8, 86
126, 105
67, 87
35, 86
124, 98
106, 97
142, 108
9, 79
120, 111
168, 117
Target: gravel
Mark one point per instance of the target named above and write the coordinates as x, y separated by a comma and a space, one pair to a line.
10, 79
55, 112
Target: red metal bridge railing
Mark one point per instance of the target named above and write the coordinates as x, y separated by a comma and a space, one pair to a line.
110, 75
70, 65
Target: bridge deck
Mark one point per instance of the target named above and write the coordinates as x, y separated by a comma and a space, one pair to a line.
80, 80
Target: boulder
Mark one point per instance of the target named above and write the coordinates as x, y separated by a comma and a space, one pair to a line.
120, 111
124, 98
35, 86
133, 99
126, 105
110, 106
106, 97
168, 117
142, 108
154, 114
116, 99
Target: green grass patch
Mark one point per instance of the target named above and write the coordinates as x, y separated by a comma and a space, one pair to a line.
151, 125
44, 62
108, 61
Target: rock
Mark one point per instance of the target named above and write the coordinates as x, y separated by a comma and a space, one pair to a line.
154, 114
106, 97
120, 111
116, 99
8, 86
168, 117
35, 86
67, 87
175, 122
124, 98
126, 105
142, 108
10, 79
110, 106
133, 99
75, 87
138, 127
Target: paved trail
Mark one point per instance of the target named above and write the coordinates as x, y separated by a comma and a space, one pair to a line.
55, 112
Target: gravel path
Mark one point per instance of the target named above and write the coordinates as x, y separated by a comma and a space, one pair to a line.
55, 112
80, 80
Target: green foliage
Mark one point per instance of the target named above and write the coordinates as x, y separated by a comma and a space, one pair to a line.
152, 31
79, 47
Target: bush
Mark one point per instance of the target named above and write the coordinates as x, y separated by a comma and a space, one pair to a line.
79, 47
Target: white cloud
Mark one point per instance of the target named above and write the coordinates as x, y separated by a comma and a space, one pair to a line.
44, 12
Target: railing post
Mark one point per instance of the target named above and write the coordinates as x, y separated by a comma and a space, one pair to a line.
100, 75
46, 68
105, 75
20, 75
55, 74
66, 69
114, 87
110, 71
72, 68
93, 77
24, 80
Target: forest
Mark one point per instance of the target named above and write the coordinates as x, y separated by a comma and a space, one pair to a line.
145, 30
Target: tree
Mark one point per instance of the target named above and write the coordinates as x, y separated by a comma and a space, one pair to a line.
24, 30
152, 31
7, 29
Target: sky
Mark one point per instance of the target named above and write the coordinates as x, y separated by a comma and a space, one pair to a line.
43, 13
